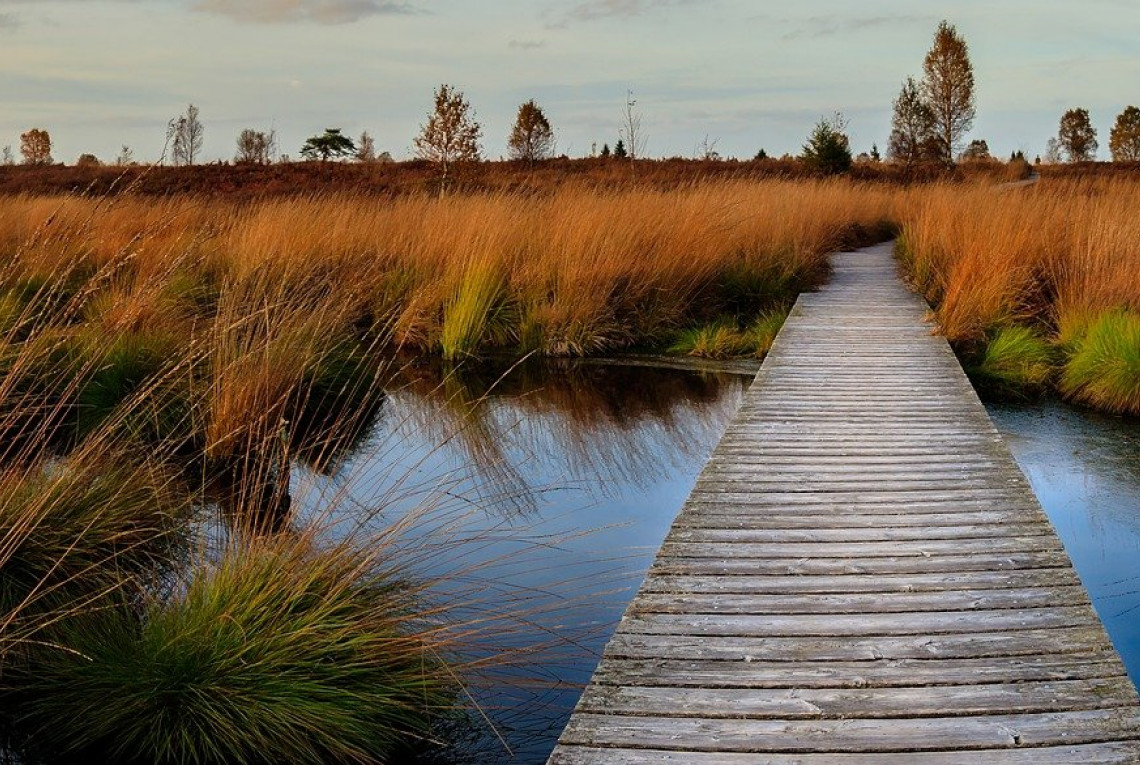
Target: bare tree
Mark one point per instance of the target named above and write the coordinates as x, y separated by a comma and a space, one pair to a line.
256, 147
7, 158
1124, 140
531, 137
185, 134
631, 130
1053, 154
35, 145
366, 148
451, 133
706, 149
948, 88
912, 126
126, 156
1077, 136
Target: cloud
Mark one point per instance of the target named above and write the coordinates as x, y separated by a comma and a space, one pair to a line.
526, 44
823, 26
8, 21
318, 11
591, 10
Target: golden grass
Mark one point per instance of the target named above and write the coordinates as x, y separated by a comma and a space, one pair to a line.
573, 272
1059, 256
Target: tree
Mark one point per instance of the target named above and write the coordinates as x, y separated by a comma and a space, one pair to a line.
531, 137
88, 160
605, 151
328, 146
875, 155
1053, 153
1076, 136
828, 149
912, 126
35, 145
6, 157
761, 155
1124, 140
631, 128
451, 133
948, 88
126, 157
366, 148
978, 149
619, 149
185, 134
255, 147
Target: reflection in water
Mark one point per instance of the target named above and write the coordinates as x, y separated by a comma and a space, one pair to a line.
1085, 469
542, 490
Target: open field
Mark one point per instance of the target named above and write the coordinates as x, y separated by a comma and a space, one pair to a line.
252, 181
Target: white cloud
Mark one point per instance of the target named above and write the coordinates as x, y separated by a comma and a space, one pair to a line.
319, 11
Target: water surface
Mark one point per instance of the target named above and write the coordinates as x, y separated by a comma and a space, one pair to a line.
541, 492
1085, 469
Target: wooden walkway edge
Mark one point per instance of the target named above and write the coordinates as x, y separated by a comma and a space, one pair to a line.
861, 575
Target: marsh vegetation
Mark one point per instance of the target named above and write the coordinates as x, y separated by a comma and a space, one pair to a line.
174, 369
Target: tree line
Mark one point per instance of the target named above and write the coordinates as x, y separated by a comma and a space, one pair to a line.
930, 121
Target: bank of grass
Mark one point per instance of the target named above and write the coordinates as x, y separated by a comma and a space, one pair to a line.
1029, 278
575, 271
725, 338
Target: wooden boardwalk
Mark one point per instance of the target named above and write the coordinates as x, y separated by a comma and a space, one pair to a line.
861, 575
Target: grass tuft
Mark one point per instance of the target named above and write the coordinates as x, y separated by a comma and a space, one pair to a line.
1017, 362
278, 652
1103, 368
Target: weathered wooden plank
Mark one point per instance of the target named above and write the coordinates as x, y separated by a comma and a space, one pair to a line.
858, 674
819, 625
855, 603
922, 548
691, 532
898, 735
856, 703
878, 583
1112, 753
886, 564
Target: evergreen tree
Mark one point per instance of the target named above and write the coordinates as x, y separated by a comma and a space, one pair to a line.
828, 149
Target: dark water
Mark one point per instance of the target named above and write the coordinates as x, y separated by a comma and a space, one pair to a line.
1085, 469
539, 498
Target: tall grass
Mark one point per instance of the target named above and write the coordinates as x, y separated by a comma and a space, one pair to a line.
1062, 256
575, 271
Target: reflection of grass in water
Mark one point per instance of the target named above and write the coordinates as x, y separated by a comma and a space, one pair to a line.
606, 422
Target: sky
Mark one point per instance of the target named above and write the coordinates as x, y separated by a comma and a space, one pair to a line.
739, 75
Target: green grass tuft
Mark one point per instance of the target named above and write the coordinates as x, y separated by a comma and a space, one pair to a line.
1017, 362
719, 340
276, 653
1103, 369
763, 331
